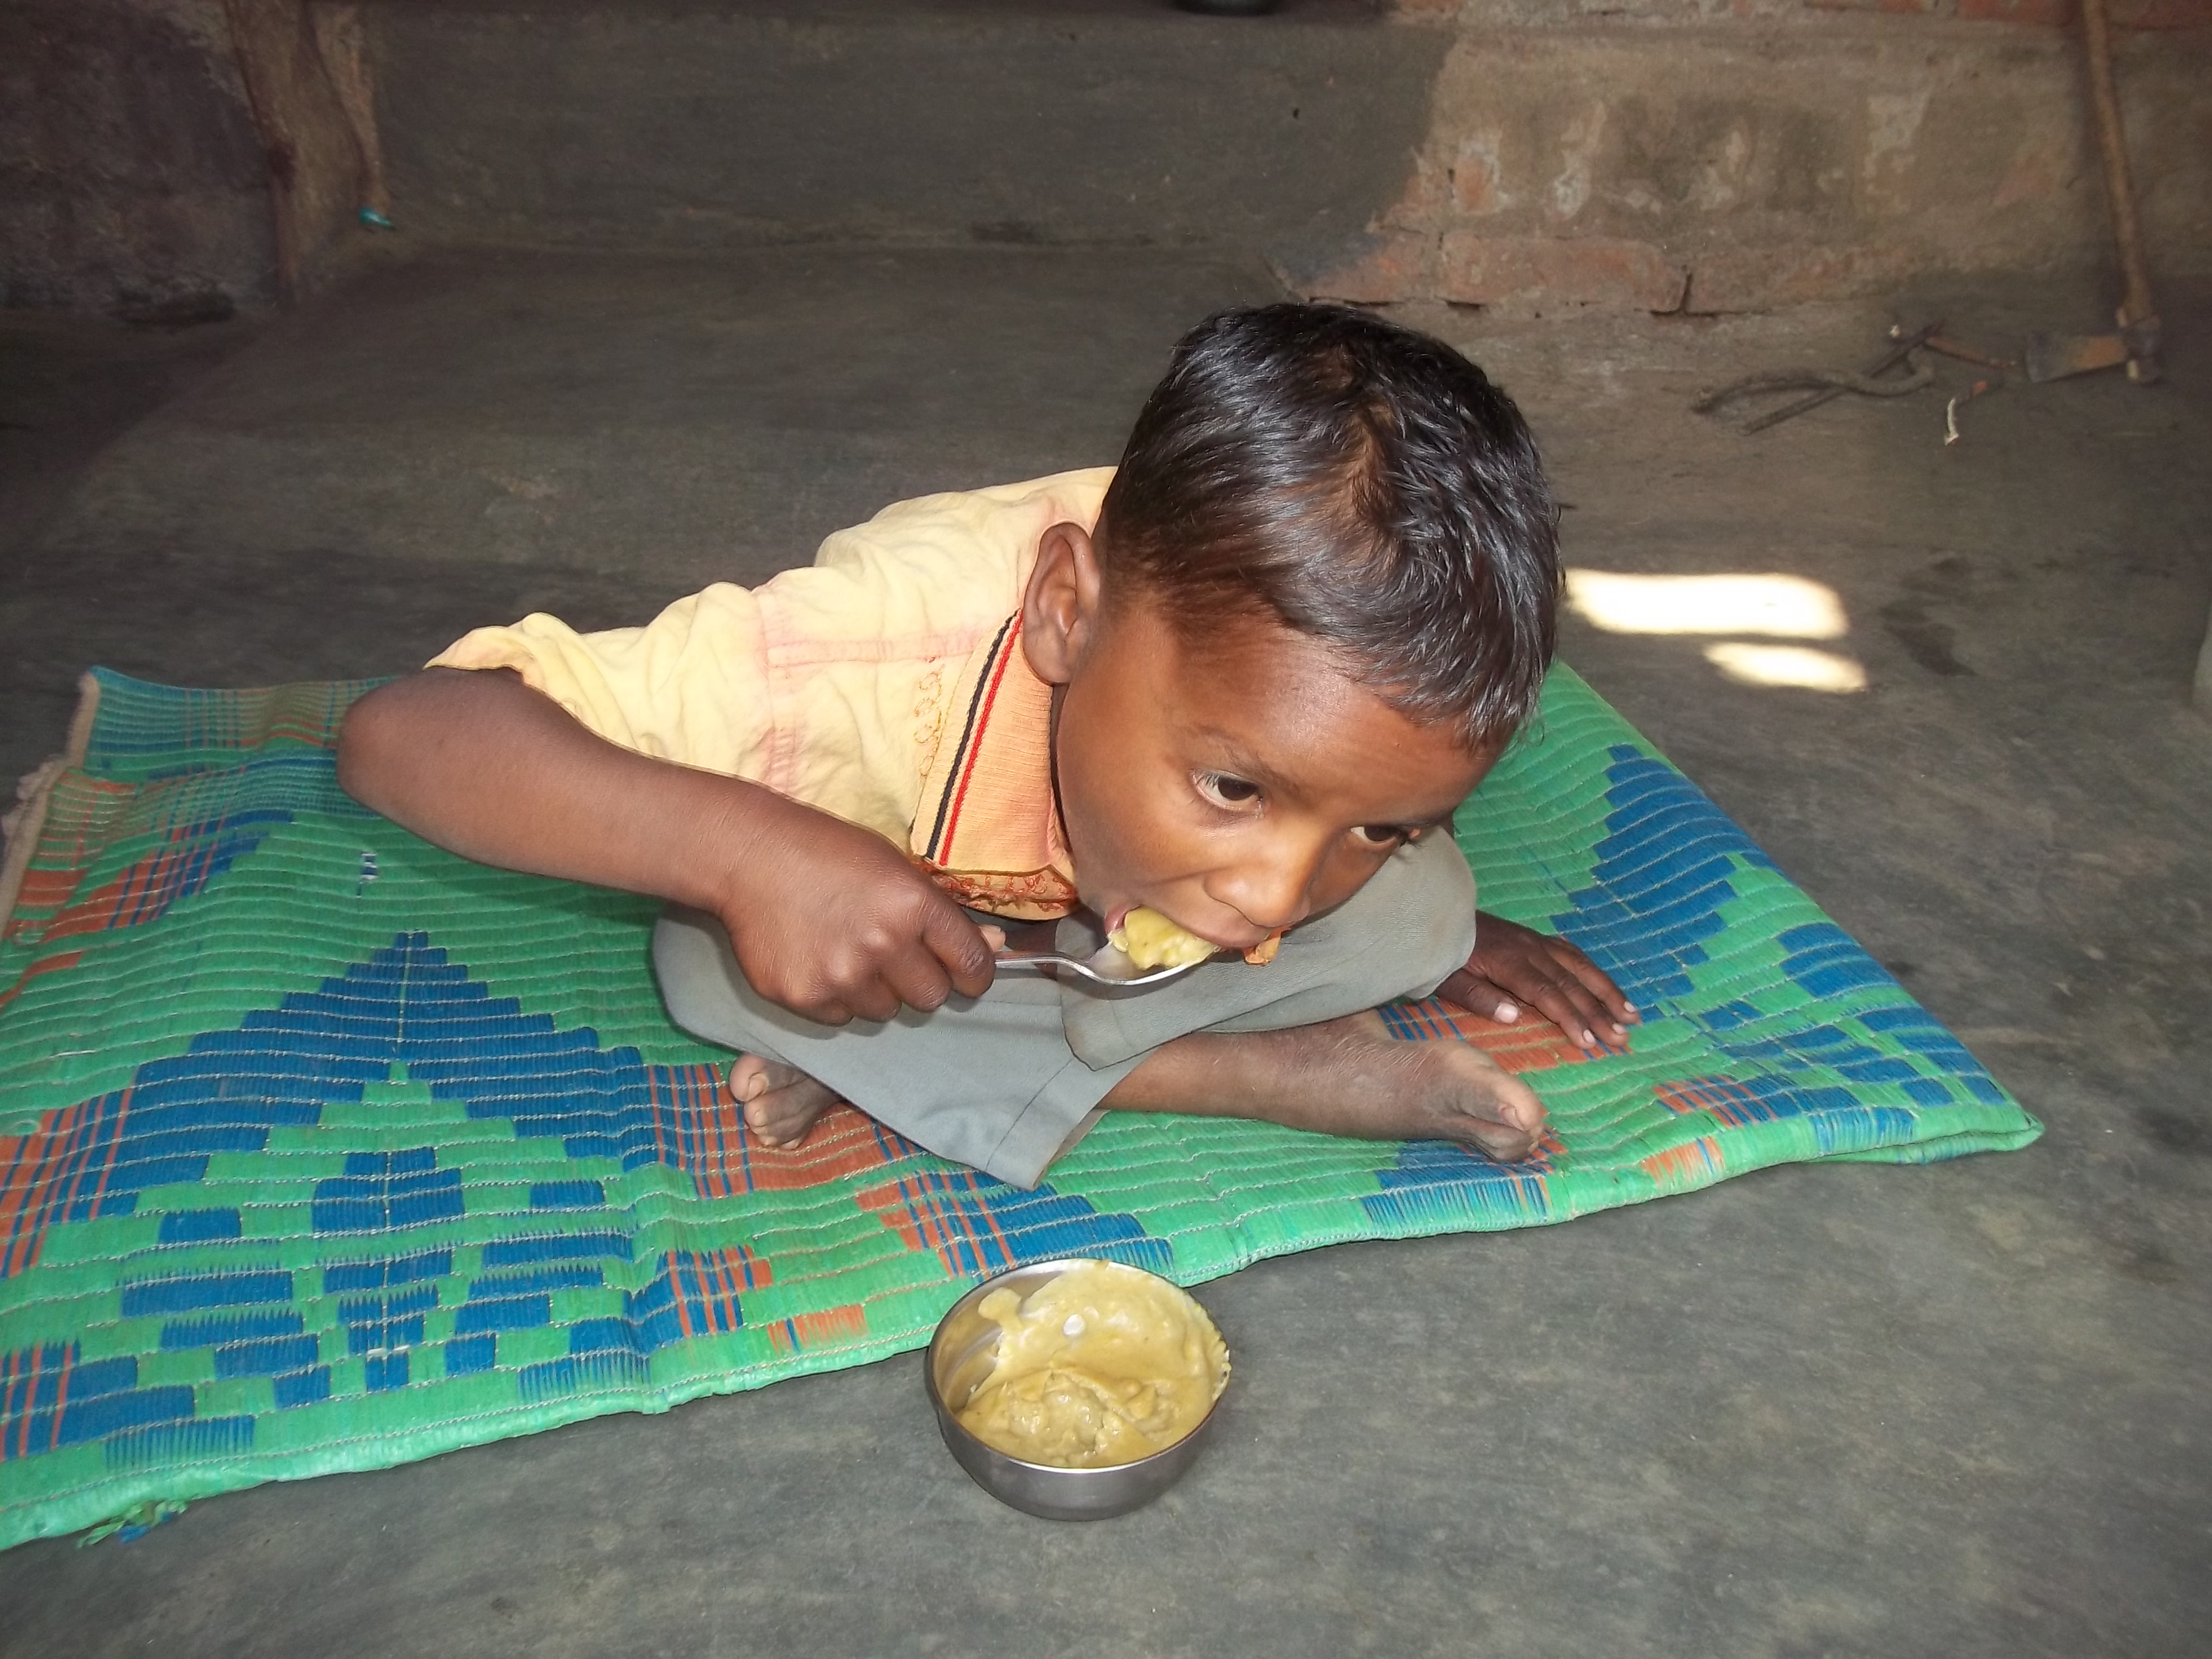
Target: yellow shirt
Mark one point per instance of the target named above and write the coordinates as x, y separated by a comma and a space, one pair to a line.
885, 683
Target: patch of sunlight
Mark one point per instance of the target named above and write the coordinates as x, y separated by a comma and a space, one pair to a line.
1791, 607
1786, 665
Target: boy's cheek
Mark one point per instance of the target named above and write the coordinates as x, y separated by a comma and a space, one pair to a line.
1112, 828
1341, 878
1102, 869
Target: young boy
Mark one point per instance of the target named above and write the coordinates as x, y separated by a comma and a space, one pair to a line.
1243, 679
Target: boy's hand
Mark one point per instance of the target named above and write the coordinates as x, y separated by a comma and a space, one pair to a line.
1515, 966
833, 922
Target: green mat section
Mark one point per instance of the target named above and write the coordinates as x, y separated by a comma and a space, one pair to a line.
321, 1149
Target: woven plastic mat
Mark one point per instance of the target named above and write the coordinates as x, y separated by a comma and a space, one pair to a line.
321, 1149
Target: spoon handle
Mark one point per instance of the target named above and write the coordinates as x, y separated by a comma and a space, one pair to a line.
1036, 959
1089, 971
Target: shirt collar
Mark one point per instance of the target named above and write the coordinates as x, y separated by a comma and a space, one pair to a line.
989, 827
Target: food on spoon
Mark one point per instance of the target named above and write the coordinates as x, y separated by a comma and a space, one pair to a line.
1103, 1364
1150, 941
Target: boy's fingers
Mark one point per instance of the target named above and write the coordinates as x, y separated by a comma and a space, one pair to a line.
1598, 984
1549, 974
780, 983
1591, 1007
1564, 964
1479, 996
1576, 1012
879, 998
879, 1006
918, 979
960, 945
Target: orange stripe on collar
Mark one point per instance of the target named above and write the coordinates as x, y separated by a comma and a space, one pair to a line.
988, 830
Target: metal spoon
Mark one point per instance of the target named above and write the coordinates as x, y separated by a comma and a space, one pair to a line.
1110, 966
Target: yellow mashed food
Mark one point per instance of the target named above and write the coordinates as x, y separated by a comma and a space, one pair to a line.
1150, 941
1104, 1364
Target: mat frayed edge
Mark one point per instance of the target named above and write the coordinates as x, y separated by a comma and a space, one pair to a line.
134, 1523
20, 827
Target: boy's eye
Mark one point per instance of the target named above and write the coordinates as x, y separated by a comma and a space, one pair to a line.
1222, 790
1383, 835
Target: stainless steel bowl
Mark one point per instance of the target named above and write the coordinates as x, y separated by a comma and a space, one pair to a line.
961, 1356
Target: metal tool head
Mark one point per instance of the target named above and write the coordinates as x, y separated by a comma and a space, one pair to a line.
2055, 357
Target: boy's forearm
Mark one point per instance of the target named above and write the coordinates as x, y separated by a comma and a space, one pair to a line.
828, 919
483, 766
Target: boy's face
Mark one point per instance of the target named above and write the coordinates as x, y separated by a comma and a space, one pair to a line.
1237, 788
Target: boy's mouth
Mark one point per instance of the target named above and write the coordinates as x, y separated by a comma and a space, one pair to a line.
1119, 914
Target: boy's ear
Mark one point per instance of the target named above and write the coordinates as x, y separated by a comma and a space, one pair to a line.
1062, 608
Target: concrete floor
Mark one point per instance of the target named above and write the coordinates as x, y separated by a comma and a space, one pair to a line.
1951, 1411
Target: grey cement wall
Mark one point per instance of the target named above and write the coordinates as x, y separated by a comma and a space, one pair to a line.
1528, 153
131, 177
1128, 122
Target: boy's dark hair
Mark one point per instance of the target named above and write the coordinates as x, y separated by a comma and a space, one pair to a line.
1358, 483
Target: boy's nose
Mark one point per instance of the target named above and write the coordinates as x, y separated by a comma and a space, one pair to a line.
1271, 890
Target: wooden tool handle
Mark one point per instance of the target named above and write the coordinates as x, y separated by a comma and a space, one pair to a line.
2111, 142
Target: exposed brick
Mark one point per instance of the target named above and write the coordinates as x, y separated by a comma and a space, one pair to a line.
1427, 197
1914, 8
2041, 169
1467, 269
2054, 13
1600, 272
1758, 279
1374, 268
1475, 172
2061, 13
2162, 13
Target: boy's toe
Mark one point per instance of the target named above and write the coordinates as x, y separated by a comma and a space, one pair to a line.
750, 1079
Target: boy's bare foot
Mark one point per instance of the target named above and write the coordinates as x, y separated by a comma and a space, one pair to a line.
1348, 1076
780, 1103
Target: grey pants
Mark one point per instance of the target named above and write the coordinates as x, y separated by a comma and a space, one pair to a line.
1004, 1080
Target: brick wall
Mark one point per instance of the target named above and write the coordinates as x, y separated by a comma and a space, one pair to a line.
2133, 15
1681, 161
